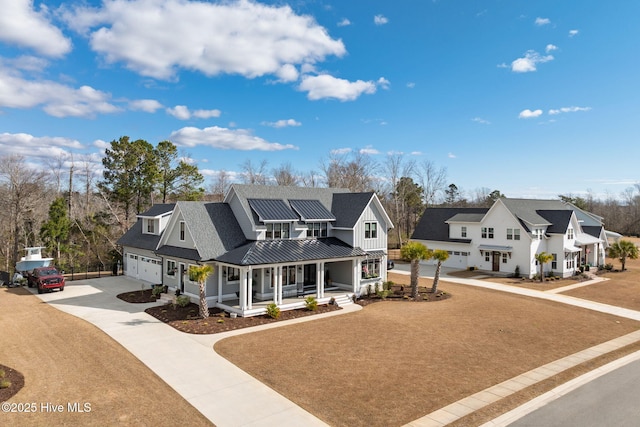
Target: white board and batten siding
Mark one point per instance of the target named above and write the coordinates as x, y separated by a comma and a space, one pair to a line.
371, 215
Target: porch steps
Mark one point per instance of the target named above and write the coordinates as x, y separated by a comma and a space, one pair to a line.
165, 299
342, 300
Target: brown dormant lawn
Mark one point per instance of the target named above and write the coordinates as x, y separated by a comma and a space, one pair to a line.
396, 361
66, 360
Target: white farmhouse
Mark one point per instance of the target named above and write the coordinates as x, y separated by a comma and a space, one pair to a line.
507, 236
267, 244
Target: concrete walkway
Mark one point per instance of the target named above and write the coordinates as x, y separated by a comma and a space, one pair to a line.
225, 394
230, 397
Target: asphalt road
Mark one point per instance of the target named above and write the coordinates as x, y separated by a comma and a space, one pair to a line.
610, 400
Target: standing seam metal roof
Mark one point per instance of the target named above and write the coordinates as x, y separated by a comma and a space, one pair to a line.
272, 210
311, 210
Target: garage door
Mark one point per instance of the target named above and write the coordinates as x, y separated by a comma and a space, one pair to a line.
131, 266
149, 269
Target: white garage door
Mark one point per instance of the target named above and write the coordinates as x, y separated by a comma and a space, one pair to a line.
149, 269
131, 266
144, 268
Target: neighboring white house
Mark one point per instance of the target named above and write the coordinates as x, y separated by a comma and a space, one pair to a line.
508, 235
266, 244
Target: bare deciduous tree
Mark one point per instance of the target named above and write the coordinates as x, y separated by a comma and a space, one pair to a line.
285, 175
433, 180
254, 174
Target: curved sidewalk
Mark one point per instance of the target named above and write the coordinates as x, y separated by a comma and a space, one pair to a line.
222, 392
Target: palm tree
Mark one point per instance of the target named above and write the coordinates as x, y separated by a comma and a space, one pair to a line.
542, 259
622, 250
441, 256
414, 252
200, 274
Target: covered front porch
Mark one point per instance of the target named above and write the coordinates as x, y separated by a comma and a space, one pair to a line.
286, 285
259, 307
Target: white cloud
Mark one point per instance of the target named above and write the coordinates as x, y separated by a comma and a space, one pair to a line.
288, 73
383, 83
282, 123
30, 146
411, 85
22, 25
369, 150
156, 38
481, 121
338, 151
528, 114
451, 156
573, 33
25, 63
529, 62
380, 20
55, 99
225, 139
568, 110
416, 153
206, 114
542, 21
550, 48
146, 105
326, 86
344, 23
182, 112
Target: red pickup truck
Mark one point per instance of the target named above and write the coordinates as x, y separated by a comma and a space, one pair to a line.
45, 279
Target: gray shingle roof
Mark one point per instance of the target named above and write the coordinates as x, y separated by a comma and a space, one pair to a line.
467, 217
311, 210
287, 251
527, 209
348, 207
159, 210
213, 228
432, 225
559, 220
136, 239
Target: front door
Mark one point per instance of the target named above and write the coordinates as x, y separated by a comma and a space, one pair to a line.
182, 273
496, 261
310, 274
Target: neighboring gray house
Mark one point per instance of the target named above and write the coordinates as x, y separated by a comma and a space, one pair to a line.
510, 233
267, 244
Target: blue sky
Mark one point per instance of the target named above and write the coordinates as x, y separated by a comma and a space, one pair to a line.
535, 99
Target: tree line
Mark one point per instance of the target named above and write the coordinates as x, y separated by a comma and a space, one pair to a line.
78, 213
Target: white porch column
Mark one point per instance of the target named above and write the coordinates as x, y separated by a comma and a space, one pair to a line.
280, 280
355, 276
250, 288
243, 289
276, 284
220, 283
383, 268
320, 287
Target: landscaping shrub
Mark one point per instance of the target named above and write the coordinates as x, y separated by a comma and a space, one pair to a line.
311, 303
273, 311
183, 300
156, 291
4, 383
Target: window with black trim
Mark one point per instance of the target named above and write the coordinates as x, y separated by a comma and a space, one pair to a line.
316, 229
487, 232
171, 267
278, 230
463, 231
371, 268
370, 230
233, 274
182, 231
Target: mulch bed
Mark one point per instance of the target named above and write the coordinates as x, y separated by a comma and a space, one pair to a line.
138, 297
186, 319
403, 293
15, 378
